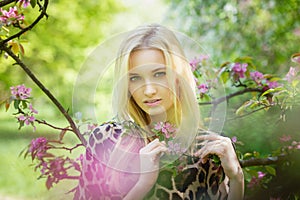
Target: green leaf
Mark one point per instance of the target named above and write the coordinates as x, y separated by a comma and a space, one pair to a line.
16, 104
272, 90
295, 83
241, 109
33, 3
21, 124
271, 170
24, 104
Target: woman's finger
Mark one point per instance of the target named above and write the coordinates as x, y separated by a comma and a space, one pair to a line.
209, 147
152, 145
209, 137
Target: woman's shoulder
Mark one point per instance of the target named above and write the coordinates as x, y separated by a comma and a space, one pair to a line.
112, 130
107, 130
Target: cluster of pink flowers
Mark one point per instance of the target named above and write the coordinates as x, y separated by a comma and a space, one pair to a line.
164, 129
294, 145
11, 16
196, 61
260, 80
28, 118
292, 74
272, 84
175, 148
38, 148
240, 69
256, 180
257, 76
202, 88
20, 92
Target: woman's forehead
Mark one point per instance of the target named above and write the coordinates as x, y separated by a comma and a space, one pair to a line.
143, 57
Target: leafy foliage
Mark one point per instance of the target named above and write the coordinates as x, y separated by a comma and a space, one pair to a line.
267, 30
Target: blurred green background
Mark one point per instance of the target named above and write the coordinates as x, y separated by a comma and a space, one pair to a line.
268, 31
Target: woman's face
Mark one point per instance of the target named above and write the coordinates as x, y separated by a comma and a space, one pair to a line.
148, 83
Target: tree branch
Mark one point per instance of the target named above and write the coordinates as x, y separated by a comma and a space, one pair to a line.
262, 161
225, 98
6, 2
42, 14
46, 91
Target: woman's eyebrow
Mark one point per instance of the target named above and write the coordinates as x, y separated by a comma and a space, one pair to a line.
133, 74
159, 68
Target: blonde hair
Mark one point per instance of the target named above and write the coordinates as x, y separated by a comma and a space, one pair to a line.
181, 82
179, 74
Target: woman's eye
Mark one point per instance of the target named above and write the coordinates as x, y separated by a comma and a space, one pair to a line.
134, 78
159, 74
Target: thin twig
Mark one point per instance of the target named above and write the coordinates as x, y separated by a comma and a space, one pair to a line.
68, 149
52, 126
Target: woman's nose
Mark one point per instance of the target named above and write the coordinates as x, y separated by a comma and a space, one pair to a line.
149, 89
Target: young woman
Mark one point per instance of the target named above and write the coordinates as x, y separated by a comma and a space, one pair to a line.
124, 158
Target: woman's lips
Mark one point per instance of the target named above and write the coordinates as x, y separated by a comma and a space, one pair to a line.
152, 102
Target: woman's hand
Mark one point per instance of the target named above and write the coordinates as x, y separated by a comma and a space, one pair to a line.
149, 161
223, 148
149, 169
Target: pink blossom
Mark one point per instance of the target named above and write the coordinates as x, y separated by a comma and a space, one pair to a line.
32, 110
272, 84
175, 148
11, 16
240, 69
203, 88
285, 138
260, 174
291, 75
27, 119
20, 92
169, 127
234, 139
195, 62
25, 3
158, 126
165, 129
38, 147
257, 76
